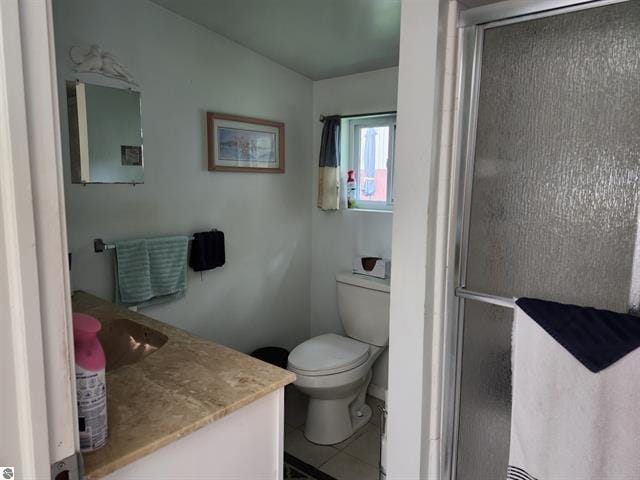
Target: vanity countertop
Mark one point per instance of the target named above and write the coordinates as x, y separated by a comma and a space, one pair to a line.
186, 384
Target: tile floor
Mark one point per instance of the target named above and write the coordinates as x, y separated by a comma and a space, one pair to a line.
354, 459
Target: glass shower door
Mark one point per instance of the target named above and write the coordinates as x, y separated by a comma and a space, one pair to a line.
553, 205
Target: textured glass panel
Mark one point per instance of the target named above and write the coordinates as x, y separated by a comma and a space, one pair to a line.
485, 407
557, 165
554, 195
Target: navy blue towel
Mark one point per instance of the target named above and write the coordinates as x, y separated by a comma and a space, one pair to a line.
597, 338
207, 251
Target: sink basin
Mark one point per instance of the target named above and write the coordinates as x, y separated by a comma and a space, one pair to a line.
126, 342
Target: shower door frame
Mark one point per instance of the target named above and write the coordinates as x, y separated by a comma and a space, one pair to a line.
472, 24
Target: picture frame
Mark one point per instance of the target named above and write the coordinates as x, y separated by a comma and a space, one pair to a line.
244, 144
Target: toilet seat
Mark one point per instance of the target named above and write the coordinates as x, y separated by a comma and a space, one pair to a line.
327, 354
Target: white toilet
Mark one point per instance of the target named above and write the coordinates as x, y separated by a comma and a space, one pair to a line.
334, 370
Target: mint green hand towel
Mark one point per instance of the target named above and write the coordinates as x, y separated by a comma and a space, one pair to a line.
151, 271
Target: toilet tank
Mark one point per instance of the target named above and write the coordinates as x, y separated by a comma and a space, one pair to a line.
363, 306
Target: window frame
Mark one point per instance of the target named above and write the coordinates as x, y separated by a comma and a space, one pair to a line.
355, 125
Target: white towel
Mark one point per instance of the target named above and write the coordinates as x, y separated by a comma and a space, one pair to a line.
568, 423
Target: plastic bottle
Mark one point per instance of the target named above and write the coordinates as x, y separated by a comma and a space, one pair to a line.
91, 387
351, 190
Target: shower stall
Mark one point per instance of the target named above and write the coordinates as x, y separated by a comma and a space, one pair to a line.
548, 190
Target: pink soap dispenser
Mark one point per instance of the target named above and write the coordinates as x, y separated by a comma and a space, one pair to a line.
91, 386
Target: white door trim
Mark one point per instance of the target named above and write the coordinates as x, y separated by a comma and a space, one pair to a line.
24, 440
43, 122
419, 243
36, 368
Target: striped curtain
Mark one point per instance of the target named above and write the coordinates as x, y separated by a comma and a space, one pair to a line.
329, 165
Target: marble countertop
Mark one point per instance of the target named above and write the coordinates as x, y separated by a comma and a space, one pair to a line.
183, 386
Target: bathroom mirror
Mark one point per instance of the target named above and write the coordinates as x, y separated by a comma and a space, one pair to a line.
105, 134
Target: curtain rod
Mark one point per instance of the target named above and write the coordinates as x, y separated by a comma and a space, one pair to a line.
393, 112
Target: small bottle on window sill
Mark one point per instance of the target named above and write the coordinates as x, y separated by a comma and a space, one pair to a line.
351, 190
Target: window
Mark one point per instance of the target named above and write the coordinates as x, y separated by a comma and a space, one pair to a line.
371, 147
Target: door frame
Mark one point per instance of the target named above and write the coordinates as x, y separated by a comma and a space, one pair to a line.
35, 287
471, 26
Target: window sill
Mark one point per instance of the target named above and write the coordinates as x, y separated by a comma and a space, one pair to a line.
373, 210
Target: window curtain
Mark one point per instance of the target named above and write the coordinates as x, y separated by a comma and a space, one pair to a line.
329, 165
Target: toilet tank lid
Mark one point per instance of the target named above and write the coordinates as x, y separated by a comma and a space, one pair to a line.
364, 281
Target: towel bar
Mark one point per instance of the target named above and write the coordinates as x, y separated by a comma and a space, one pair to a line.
486, 298
99, 246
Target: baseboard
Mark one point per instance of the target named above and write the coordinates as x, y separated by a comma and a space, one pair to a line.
377, 391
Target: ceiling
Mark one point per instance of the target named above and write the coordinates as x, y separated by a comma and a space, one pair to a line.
316, 38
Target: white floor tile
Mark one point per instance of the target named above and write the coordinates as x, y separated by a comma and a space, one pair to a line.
342, 445
297, 445
367, 446
346, 467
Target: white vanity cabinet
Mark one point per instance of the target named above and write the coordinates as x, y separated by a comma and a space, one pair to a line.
191, 409
245, 445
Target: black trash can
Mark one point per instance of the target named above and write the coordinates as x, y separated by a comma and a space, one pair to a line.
274, 355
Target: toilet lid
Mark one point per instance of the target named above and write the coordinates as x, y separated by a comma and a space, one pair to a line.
328, 354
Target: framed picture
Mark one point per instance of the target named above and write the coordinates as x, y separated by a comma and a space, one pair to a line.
243, 144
